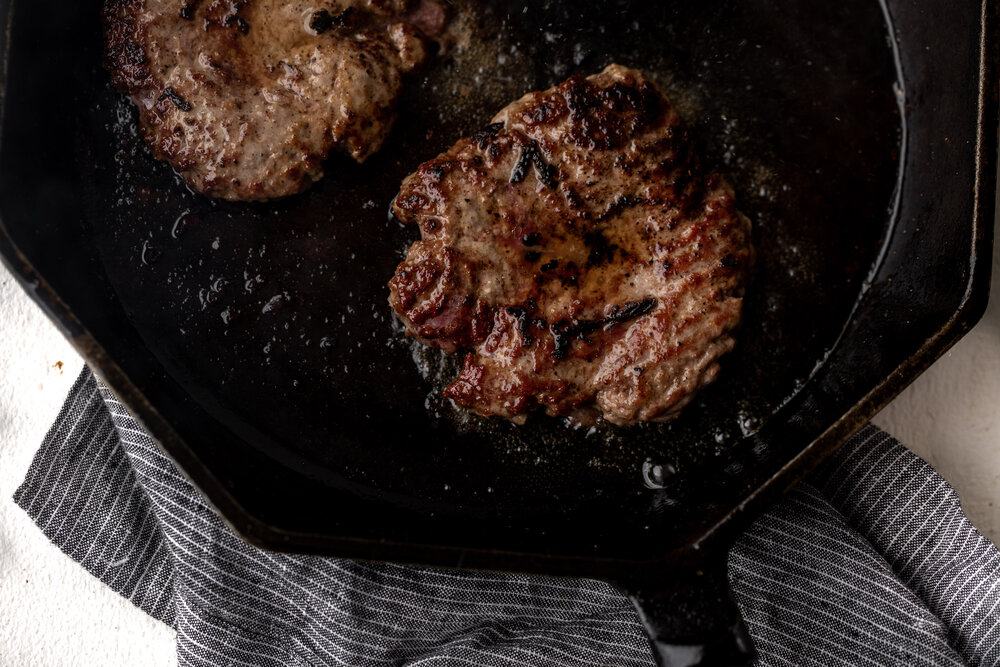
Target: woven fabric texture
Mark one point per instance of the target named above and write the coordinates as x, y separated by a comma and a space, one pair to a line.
871, 561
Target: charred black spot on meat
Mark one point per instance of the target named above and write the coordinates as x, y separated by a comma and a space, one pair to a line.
234, 19
601, 250
531, 239
569, 275
322, 20
550, 265
520, 170
546, 172
620, 204
187, 11
437, 171
483, 136
630, 311
532, 155
565, 332
576, 202
171, 94
523, 316
532, 256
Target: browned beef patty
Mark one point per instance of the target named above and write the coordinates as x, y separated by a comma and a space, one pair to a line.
576, 252
245, 98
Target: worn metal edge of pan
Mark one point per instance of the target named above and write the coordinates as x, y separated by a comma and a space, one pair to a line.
263, 535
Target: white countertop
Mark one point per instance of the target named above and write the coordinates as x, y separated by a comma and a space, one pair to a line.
54, 613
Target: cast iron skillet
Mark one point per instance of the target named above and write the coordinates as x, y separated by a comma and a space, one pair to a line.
255, 341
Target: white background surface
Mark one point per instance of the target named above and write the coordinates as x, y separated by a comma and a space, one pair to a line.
54, 613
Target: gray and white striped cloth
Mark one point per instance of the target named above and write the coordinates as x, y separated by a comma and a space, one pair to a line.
870, 562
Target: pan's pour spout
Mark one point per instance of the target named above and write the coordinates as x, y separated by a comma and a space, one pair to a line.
695, 622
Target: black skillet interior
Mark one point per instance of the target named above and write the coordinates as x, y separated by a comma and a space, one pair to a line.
261, 332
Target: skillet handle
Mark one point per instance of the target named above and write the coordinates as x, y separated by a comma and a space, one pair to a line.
695, 622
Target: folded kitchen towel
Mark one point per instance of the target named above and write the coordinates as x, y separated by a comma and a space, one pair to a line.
871, 561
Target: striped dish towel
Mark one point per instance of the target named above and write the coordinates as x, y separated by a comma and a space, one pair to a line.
869, 562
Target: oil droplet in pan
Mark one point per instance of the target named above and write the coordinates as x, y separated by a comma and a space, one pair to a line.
183, 222
150, 253
655, 475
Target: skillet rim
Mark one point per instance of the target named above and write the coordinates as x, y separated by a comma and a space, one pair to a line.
264, 535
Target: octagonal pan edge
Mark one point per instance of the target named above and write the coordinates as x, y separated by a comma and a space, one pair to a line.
925, 282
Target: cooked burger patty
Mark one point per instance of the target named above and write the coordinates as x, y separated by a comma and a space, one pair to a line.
576, 251
245, 98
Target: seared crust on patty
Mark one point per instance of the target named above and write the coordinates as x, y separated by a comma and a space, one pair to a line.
245, 98
576, 252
